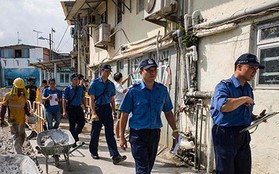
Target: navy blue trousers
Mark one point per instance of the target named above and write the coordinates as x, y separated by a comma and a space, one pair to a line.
104, 113
232, 150
144, 146
76, 120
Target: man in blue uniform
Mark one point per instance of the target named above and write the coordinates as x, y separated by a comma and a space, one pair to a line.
231, 111
145, 102
52, 110
101, 92
73, 97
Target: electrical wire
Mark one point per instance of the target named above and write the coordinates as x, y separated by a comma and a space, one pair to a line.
62, 38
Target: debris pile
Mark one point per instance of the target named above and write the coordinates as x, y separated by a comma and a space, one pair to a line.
54, 137
10, 162
16, 163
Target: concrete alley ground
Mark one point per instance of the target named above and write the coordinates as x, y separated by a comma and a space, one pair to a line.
81, 161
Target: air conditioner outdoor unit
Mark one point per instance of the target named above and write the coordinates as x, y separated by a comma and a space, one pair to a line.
102, 34
94, 21
162, 8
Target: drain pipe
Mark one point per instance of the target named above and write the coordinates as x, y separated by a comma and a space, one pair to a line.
196, 159
182, 59
200, 145
200, 94
188, 57
210, 150
252, 10
191, 55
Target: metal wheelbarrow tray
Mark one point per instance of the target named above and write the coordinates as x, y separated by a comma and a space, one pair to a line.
55, 142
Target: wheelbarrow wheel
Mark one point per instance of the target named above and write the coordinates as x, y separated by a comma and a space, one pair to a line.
56, 160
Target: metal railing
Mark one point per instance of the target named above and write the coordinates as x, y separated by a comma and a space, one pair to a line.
39, 112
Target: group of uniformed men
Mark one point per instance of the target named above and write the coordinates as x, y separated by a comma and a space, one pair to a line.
231, 110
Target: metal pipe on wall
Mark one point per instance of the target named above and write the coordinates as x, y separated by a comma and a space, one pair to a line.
210, 151
196, 137
200, 94
200, 143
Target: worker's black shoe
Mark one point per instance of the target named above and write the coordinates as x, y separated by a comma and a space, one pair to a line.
118, 158
33, 134
95, 156
74, 145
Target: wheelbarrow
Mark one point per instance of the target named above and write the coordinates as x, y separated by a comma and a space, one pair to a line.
56, 142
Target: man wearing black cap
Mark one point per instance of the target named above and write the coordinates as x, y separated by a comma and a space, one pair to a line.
31, 89
231, 110
102, 92
73, 97
145, 102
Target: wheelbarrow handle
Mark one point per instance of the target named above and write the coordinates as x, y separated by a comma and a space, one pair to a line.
75, 148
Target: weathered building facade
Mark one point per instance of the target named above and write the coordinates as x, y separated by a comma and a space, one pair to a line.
198, 42
14, 62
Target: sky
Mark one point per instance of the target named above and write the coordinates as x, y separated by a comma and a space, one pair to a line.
24, 16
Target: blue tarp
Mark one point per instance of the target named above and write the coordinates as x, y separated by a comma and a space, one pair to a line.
12, 73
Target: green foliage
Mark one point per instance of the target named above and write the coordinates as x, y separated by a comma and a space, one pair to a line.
189, 39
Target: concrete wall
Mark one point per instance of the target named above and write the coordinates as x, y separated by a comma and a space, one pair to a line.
220, 8
217, 54
135, 27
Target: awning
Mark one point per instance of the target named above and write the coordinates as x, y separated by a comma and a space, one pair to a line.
81, 7
49, 65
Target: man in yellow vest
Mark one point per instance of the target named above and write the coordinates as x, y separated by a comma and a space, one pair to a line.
16, 102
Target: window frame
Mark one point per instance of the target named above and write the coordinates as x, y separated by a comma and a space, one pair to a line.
265, 44
64, 78
119, 9
18, 53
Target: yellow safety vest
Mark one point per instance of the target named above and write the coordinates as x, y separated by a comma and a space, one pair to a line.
15, 106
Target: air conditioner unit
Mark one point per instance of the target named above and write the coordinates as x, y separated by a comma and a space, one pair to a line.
102, 34
94, 21
159, 8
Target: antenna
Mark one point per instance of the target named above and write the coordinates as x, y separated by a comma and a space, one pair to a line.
37, 35
18, 39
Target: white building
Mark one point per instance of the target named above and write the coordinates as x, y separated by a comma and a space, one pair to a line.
26, 61
15, 60
122, 33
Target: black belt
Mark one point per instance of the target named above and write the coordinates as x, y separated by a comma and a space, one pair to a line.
102, 105
236, 128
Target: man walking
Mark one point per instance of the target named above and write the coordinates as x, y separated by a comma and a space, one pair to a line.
119, 95
31, 88
145, 102
52, 107
73, 97
101, 92
16, 102
231, 110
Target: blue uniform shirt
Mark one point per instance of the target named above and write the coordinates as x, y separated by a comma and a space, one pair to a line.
146, 105
69, 92
231, 88
97, 87
46, 93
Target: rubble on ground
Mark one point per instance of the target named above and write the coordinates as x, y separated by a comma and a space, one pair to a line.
9, 157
